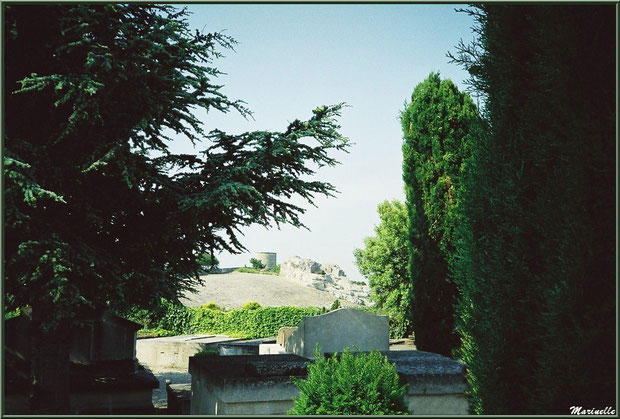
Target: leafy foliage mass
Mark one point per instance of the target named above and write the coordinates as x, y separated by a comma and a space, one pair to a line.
439, 125
251, 321
350, 384
170, 319
256, 264
536, 267
384, 261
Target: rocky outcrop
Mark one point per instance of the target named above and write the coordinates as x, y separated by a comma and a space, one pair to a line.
326, 277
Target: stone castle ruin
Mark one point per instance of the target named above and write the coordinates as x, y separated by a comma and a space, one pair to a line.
326, 277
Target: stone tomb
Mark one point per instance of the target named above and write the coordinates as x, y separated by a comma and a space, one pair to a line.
262, 384
104, 376
436, 384
339, 329
244, 384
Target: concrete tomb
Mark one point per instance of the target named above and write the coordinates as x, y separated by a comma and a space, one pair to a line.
243, 347
337, 330
104, 375
436, 384
262, 384
244, 384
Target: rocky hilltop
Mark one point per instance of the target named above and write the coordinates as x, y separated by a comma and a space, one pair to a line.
325, 277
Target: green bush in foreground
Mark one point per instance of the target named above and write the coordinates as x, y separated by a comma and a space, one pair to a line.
350, 384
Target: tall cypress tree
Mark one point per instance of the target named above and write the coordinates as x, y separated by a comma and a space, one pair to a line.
536, 268
439, 125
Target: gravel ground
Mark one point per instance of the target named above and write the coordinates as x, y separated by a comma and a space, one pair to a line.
234, 289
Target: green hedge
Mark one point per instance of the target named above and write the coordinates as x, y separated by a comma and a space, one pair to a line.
251, 323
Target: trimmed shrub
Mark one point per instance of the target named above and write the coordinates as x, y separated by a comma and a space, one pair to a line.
251, 305
350, 384
175, 318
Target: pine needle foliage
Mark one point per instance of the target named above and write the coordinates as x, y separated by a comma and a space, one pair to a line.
99, 212
350, 384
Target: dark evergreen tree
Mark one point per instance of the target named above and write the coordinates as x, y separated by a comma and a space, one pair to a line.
98, 211
536, 266
439, 126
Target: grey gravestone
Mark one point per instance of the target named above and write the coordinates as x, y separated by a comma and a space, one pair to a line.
337, 330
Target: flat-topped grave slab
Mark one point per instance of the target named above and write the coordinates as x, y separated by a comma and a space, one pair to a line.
172, 353
244, 384
429, 373
436, 384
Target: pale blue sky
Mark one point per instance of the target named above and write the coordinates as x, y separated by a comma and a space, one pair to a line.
293, 58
